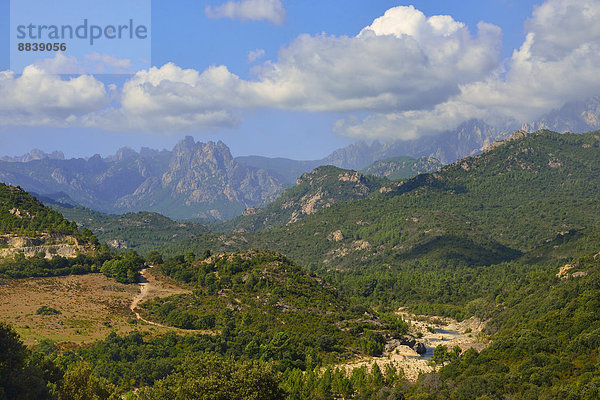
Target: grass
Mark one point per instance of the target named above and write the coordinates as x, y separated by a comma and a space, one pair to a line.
91, 306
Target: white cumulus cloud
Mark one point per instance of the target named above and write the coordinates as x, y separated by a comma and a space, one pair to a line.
406, 75
171, 99
252, 10
391, 65
37, 98
254, 55
558, 62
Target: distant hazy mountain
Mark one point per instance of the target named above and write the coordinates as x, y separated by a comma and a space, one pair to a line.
576, 117
402, 167
203, 180
284, 168
468, 139
59, 199
194, 180
35, 154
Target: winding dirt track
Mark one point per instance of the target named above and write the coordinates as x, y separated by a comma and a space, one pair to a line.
144, 289
151, 287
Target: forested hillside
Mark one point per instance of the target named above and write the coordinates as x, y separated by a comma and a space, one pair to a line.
543, 330
508, 200
509, 237
257, 295
142, 231
21, 213
493, 207
319, 189
545, 341
37, 241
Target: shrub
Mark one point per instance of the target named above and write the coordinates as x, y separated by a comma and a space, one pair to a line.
45, 310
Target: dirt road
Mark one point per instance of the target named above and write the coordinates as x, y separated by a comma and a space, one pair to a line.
152, 287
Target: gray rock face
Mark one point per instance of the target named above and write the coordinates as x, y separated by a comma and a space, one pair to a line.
194, 180
577, 117
448, 146
414, 344
469, 138
420, 348
35, 154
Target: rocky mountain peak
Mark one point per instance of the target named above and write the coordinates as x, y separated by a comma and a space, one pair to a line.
190, 146
193, 180
190, 154
186, 143
577, 117
124, 153
521, 133
35, 154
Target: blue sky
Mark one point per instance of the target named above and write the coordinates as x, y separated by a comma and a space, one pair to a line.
315, 82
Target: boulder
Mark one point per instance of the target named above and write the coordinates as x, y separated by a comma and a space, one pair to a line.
420, 348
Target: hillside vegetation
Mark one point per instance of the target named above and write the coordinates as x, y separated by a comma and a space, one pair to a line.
544, 331
22, 214
521, 195
508, 200
509, 236
256, 295
142, 231
37, 241
546, 336
319, 189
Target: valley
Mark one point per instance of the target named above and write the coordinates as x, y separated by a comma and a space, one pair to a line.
89, 307
432, 332
292, 200
443, 285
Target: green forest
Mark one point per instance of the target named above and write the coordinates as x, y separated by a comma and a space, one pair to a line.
276, 310
24, 215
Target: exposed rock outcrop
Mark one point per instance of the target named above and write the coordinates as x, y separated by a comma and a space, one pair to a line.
193, 180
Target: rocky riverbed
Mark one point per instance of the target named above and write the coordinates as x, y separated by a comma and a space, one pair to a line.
428, 333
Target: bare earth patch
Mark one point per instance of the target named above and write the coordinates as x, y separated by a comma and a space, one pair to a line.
465, 334
150, 287
91, 306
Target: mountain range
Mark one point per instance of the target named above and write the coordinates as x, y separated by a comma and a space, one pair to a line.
203, 181
527, 196
509, 236
194, 180
529, 191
